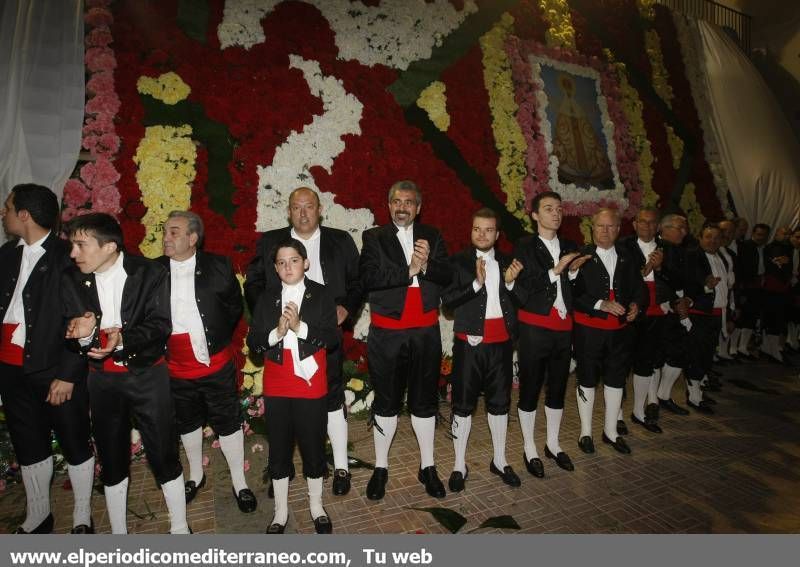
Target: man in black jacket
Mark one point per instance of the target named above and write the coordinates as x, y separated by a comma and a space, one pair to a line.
750, 279
484, 327
544, 292
777, 283
42, 384
206, 305
333, 258
403, 269
608, 295
120, 312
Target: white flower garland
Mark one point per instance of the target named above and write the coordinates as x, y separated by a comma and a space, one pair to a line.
696, 73
570, 191
394, 34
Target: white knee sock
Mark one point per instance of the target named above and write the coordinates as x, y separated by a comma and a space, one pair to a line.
36, 478
613, 400
315, 497
233, 448
527, 421
669, 375
695, 393
744, 341
641, 386
383, 441
337, 433
652, 391
723, 347
175, 496
620, 417
498, 426
585, 409
281, 501
553, 419
460, 429
424, 429
193, 446
733, 341
82, 477
117, 506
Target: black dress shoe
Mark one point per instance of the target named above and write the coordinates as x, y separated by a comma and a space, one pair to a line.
711, 387
534, 466
651, 411
714, 374
83, 529
274, 529
246, 500
649, 424
619, 445
323, 525
376, 487
433, 486
46, 527
586, 444
562, 459
672, 407
702, 407
622, 429
457, 480
341, 482
507, 474
191, 488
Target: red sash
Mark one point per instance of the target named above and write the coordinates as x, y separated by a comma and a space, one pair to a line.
551, 321
610, 323
494, 331
716, 312
654, 309
9, 352
108, 362
280, 381
413, 315
183, 364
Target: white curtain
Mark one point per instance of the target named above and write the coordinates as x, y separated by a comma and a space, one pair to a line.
41, 92
760, 154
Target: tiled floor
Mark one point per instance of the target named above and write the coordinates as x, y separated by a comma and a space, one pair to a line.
736, 471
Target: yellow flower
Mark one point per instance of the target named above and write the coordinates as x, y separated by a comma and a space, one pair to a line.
586, 229
433, 100
168, 88
557, 14
355, 384
691, 207
248, 382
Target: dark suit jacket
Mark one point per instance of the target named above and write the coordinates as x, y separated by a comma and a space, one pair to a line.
45, 348
664, 291
747, 275
218, 296
384, 270
698, 268
318, 311
533, 289
777, 278
470, 306
146, 317
338, 258
592, 283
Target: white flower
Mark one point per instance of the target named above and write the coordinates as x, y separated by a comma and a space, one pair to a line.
370, 397
358, 406
349, 397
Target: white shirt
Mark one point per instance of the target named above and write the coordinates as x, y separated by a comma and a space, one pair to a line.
609, 259
109, 291
305, 368
183, 306
554, 248
406, 237
647, 248
718, 271
312, 249
31, 254
492, 283
760, 250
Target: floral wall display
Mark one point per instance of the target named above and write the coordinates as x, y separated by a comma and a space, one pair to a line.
224, 108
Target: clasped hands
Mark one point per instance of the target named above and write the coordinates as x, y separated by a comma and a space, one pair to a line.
84, 327
419, 258
617, 309
289, 319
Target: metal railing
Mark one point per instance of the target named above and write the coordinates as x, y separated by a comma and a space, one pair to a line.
736, 21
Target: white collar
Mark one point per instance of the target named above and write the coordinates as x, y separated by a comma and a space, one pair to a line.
606, 252
113, 270
488, 255
189, 262
34, 246
404, 229
314, 236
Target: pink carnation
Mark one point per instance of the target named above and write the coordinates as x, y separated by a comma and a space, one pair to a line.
106, 200
246, 465
100, 59
108, 103
215, 444
76, 194
98, 16
98, 37
68, 214
99, 174
206, 461
102, 123
101, 83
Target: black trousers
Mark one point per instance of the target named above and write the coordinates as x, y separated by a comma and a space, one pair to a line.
296, 419
544, 356
776, 312
752, 306
31, 419
603, 355
675, 342
116, 400
405, 359
649, 353
212, 399
335, 362
703, 340
486, 368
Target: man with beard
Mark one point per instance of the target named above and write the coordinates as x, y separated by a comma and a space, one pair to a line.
484, 326
608, 296
544, 291
403, 270
333, 260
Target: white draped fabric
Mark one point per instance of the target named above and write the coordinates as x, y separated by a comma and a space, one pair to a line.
760, 154
41, 92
